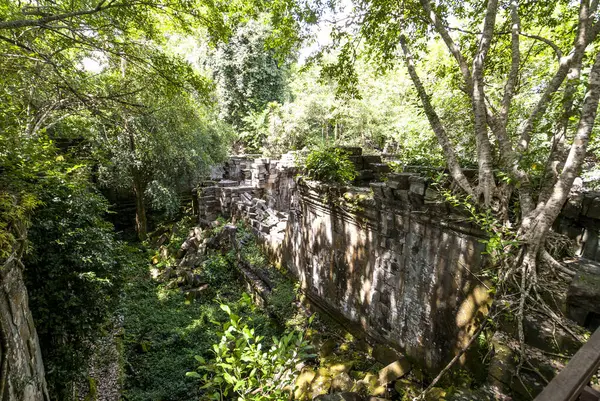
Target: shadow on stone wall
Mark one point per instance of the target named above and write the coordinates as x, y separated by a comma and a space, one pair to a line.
400, 277
391, 260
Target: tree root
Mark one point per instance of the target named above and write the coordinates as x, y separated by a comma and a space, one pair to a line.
452, 362
537, 372
545, 310
556, 265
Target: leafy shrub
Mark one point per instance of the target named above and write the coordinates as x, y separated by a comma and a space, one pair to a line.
244, 370
217, 269
329, 165
74, 275
14, 210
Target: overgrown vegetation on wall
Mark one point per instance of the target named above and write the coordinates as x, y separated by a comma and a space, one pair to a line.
329, 165
75, 274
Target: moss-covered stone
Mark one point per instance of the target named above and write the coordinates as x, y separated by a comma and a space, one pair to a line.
320, 385
303, 381
327, 348
435, 394
342, 382
394, 371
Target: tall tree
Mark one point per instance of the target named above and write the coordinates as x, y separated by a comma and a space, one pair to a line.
160, 141
248, 73
521, 109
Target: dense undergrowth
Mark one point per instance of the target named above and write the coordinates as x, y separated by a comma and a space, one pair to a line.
164, 330
222, 346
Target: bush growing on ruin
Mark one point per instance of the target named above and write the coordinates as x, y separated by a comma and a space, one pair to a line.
329, 165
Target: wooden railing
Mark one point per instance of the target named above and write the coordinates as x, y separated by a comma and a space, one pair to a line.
572, 382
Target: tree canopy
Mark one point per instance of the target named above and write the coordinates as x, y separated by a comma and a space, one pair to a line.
94, 98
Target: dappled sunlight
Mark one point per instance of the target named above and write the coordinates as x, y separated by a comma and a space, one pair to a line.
424, 177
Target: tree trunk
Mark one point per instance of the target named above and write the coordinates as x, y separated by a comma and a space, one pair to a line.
486, 184
141, 224
139, 185
552, 207
21, 368
436, 125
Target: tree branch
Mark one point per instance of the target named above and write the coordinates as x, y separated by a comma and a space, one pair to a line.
511, 82
57, 17
553, 45
551, 209
486, 183
585, 35
454, 50
436, 125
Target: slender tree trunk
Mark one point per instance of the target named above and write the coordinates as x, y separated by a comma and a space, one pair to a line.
139, 187
487, 185
552, 207
21, 368
141, 224
434, 120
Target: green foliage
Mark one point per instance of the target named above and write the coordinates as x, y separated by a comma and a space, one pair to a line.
167, 146
502, 239
95, 86
329, 165
248, 75
246, 367
385, 117
13, 211
252, 254
74, 275
163, 331
257, 125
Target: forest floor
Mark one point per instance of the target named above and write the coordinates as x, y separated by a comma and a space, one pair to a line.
162, 328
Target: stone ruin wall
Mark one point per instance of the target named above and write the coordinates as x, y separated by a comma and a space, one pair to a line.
388, 258
580, 221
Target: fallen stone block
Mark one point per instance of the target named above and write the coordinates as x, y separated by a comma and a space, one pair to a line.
591, 206
385, 354
377, 188
303, 382
369, 385
380, 168
371, 159
357, 161
320, 385
399, 180
365, 175
350, 150
394, 371
342, 382
227, 183
401, 195
418, 184
583, 296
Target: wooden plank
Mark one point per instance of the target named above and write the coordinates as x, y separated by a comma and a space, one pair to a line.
570, 382
589, 394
